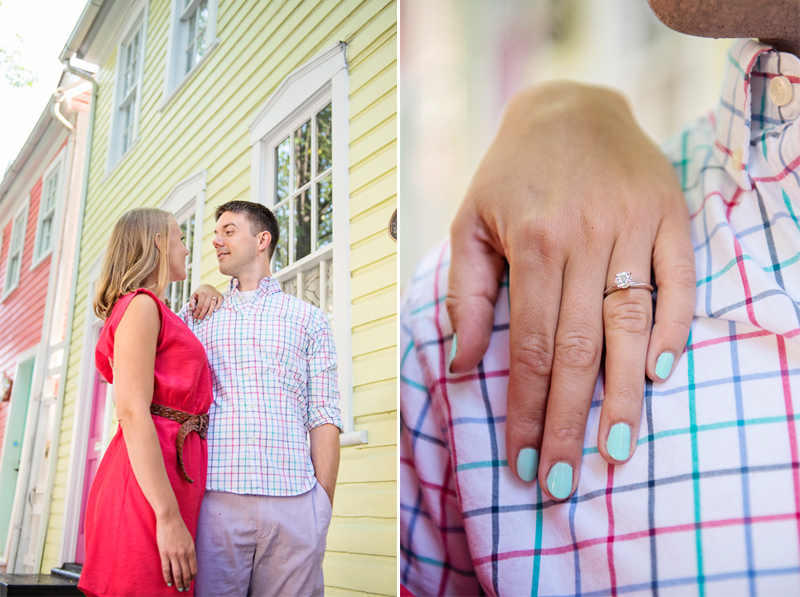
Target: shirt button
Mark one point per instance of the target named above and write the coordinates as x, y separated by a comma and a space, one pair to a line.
780, 91
736, 157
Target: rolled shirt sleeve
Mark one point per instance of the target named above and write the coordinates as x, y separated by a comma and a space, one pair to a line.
323, 384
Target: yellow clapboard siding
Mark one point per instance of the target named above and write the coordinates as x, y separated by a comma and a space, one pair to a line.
377, 248
369, 536
377, 366
366, 173
380, 397
375, 307
377, 337
368, 465
382, 56
372, 221
383, 109
339, 592
373, 192
374, 500
384, 82
374, 277
370, 574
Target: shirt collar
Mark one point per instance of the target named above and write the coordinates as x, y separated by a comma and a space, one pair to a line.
266, 287
748, 113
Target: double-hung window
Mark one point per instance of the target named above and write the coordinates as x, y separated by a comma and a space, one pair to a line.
299, 170
186, 202
130, 63
192, 38
303, 261
45, 228
14, 261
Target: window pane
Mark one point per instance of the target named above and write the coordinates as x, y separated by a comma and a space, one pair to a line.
324, 138
188, 230
302, 225
311, 285
47, 226
302, 155
324, 212
282, 249
13, 271
282, 159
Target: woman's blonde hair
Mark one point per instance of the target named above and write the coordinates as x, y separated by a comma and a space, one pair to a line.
132, 256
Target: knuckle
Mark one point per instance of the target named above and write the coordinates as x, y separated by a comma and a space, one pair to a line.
526, 425
628, 315
567, 432
534, 355
578, 350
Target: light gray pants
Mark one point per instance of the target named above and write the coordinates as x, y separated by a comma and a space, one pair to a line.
262, 545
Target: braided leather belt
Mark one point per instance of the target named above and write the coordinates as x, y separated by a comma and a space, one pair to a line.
189, 423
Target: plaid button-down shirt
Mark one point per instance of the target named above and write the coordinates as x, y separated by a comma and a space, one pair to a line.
273, 366
710, 502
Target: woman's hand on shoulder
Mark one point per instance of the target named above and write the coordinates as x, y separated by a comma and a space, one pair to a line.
204, 301
571, 192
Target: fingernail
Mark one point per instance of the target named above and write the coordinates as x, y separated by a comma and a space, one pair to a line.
664, 365
527, 464
169, 584
618, 444
453, 349
559, 480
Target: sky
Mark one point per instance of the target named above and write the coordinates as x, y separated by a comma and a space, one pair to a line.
44, 26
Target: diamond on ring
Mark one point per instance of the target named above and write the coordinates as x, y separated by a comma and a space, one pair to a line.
623, 280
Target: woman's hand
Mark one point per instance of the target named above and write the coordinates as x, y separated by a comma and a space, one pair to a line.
204, 301
571, 192
176, 548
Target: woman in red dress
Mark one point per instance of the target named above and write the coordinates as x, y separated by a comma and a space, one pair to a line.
141, 516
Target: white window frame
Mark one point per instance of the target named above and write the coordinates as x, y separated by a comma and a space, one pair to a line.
9, 286
115, 151
324, 76
56, 168
308, 111
175, 77
187, 199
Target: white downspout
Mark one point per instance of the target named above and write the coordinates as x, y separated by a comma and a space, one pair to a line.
51, 473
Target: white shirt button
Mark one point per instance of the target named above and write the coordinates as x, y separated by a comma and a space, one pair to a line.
736, 159
780, 90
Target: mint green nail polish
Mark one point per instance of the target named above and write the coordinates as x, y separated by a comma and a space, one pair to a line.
527, 464
559, 480
169, 584
453, 349
618, 444
664, 364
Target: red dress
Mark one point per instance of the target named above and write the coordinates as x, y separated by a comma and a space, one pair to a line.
121, 550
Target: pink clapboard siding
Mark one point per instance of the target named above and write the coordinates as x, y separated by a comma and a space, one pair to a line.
22, 313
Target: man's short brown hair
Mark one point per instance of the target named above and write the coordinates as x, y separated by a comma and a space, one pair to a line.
261, 219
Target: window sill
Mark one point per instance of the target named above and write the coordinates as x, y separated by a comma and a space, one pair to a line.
9, 292
38, 261
188, 77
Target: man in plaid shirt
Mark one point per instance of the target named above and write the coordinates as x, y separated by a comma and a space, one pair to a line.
710, 500
273, 437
